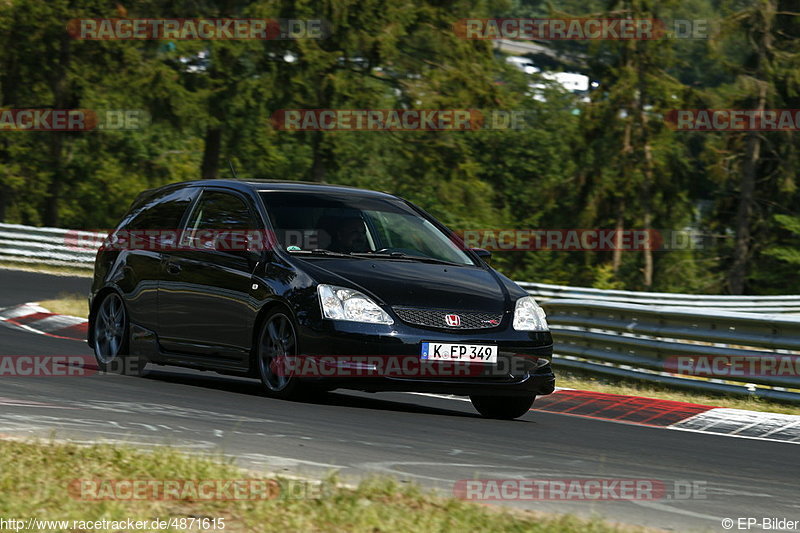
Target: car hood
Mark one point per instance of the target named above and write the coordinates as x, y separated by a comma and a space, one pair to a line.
414, 284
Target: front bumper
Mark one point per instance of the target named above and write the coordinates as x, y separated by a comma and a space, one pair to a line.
373, 357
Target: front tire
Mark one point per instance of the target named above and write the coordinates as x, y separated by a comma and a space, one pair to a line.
502, 407
110, 334
275, 351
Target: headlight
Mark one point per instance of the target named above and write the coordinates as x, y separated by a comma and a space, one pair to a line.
528, 316
340, 303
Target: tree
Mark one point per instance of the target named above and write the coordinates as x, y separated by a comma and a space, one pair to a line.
766, 78
631, 161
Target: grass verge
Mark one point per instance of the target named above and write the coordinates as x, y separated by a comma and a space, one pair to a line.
47, 269
611, 385
35, 478
72, 304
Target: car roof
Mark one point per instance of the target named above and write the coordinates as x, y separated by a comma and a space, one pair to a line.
286, 186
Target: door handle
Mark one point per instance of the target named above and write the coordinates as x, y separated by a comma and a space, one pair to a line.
172, 268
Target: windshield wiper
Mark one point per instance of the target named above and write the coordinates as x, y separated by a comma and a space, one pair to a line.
401, 255
373, 255
320, 251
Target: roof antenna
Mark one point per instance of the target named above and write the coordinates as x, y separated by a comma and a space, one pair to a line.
233, 170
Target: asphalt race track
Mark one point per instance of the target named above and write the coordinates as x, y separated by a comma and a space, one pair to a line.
434, 441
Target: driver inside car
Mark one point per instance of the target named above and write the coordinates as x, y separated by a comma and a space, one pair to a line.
350, 235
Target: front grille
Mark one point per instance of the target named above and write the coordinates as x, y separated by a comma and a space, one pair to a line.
437, 318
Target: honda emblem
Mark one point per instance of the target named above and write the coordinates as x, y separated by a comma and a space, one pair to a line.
452, 320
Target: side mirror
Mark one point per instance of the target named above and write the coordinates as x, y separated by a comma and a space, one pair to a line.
486, 255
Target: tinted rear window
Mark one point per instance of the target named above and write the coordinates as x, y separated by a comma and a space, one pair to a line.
161, 211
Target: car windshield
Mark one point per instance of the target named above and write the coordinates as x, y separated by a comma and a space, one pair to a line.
349, 224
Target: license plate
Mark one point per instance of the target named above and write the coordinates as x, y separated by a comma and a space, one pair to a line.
468, 353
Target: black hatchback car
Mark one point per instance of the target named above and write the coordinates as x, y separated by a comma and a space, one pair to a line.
310, 286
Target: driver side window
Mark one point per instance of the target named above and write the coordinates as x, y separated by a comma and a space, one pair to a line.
217, 216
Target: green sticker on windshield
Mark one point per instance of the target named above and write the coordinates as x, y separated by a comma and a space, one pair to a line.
292, 248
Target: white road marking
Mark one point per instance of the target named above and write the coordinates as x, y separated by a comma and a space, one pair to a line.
764, 425
56, 322
18, 311
743, 424
48, 325
13, 402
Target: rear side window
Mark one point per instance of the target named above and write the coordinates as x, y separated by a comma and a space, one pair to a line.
162, 211
219, 211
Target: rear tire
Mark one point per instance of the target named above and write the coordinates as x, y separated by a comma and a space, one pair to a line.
110, 334
502, 407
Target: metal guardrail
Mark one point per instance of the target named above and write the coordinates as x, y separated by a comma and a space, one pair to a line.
49, 246
761, 304
621, 333
644, 342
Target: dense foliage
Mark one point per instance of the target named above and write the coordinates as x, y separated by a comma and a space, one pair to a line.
606, 161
